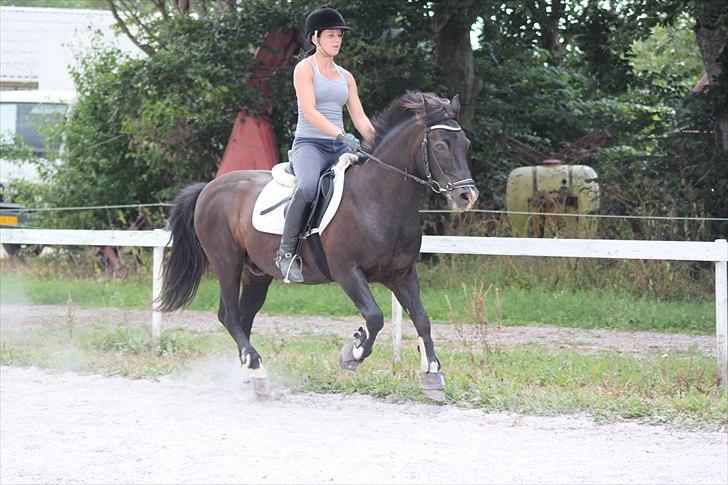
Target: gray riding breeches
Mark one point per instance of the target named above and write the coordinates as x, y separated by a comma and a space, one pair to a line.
311, 157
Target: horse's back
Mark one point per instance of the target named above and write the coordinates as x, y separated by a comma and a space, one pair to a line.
229, 199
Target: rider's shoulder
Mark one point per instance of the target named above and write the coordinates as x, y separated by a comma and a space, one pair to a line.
304, 65
347, 74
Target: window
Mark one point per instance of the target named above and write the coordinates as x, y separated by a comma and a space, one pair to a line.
28, 120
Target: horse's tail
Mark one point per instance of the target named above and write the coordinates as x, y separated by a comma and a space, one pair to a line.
187, 262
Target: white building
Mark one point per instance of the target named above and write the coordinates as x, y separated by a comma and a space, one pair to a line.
37, 45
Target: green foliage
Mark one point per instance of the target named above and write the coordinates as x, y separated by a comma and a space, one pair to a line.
671, 54
143, 128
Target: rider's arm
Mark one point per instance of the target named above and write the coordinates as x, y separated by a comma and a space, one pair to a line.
356, 111
303, 82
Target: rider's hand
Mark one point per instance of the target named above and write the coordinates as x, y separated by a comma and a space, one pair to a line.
351, 142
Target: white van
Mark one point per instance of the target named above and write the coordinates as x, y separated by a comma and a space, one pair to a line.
21, 113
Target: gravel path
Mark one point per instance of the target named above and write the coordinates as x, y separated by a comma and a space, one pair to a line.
583, 340
206, 428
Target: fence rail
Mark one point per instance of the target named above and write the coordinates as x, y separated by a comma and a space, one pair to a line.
716, 252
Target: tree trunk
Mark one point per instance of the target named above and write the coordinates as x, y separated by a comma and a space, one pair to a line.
712, 38
550, 32
199, 7
182, 7
455, 57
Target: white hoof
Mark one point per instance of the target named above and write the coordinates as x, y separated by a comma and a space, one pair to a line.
261, 381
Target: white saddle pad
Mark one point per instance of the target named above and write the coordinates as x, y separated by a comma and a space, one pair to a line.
281, 187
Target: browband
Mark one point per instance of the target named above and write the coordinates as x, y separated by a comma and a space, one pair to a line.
444, 127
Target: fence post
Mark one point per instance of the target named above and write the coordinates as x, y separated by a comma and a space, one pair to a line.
396, 330
721, 313
157, 257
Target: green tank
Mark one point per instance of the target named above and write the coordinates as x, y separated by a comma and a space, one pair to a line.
553, 188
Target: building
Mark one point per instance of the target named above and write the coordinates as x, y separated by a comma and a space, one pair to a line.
38, 45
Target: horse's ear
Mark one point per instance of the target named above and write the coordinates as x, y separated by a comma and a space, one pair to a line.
455, 105
430, 104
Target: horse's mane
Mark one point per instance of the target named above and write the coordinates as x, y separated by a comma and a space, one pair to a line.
425, 108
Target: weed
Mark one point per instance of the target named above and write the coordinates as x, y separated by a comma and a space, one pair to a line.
673, 388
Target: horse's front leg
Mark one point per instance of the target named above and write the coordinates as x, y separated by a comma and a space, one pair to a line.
355, 285
406, 288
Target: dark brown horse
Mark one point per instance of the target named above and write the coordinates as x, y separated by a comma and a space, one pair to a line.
374, 237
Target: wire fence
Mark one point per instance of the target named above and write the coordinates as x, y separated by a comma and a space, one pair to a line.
19, 210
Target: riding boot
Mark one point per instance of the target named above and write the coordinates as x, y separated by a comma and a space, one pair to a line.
286, 258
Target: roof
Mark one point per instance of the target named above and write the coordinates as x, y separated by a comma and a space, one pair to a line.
36, 96
38, 42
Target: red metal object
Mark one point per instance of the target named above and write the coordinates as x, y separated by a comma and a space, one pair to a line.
704, 81
252, 144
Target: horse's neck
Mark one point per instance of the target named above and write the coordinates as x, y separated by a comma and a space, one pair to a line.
389, 188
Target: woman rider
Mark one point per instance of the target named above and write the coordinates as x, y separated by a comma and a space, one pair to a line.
322, 89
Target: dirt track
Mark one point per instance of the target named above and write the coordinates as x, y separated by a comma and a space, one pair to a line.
583, 340
206, 428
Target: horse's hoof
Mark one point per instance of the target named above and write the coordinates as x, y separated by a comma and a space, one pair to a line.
259, 380
438, 395
347, 361
261, 385
433, 385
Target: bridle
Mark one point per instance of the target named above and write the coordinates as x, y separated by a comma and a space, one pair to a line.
425, 149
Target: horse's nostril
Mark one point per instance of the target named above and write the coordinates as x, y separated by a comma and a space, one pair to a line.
465, 196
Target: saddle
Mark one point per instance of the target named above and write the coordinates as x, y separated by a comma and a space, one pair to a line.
271, 205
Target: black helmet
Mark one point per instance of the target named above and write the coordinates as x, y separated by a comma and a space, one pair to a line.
323, 18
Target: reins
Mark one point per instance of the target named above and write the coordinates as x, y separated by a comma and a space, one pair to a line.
430, 182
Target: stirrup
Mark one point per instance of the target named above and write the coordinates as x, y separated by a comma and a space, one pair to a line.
285, 263
286, 278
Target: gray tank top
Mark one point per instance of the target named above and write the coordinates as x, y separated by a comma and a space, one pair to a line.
331, 97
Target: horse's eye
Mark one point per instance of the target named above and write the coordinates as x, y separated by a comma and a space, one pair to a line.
440, 147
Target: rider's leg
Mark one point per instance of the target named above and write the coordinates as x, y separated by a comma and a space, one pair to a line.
286, 258
309, 158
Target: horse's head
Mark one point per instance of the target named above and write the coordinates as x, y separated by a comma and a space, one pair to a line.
445, 152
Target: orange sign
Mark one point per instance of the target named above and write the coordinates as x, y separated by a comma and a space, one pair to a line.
8, 220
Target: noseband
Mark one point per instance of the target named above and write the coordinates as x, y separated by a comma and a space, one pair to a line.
430, 182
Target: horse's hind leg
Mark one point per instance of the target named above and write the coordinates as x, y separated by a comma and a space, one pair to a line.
407, 290
255, 289
355, 285
227, 264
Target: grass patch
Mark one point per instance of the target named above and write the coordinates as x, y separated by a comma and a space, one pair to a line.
128, 352
613, 309
674, 388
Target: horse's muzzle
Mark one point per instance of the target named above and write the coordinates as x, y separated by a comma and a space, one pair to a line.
463, 199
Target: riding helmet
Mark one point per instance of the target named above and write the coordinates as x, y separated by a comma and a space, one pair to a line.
323, 18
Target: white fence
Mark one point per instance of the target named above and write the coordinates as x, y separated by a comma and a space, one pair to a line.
717, 252
156, 239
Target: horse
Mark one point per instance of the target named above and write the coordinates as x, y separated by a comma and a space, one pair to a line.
375, 235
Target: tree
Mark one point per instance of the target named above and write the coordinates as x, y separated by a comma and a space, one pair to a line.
544, 71
711, 30
140, 21
453, 23
670, 55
